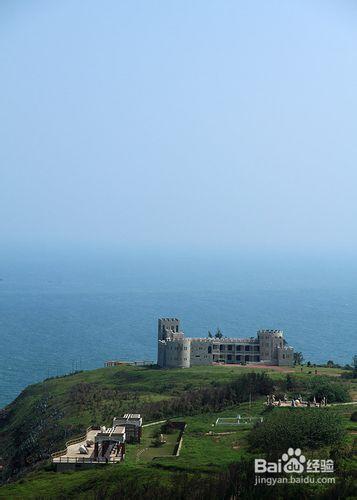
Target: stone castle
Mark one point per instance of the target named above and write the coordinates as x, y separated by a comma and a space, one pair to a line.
177, 351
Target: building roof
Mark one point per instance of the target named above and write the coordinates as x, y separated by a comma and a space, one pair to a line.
110, 431
225, 340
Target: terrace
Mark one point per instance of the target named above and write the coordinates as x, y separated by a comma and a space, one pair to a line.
98, 445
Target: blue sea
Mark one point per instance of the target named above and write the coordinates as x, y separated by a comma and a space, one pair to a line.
60, 313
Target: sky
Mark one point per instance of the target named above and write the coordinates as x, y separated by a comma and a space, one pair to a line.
206, 124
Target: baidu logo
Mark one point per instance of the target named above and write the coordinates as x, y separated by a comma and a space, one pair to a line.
291, 462
294, 461
290, 469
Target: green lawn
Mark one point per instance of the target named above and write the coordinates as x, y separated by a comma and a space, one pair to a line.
146, 451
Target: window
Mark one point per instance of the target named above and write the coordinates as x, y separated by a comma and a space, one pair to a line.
247, 347
230, 347
229, 357
238, 357
209, 349
238, 347
222, 347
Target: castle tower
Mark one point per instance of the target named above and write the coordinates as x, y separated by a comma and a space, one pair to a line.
270, 341
167, 327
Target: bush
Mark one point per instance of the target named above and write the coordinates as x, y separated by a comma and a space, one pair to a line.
290, 382
211, 398
298, 428
352, 373
168, 427
354, 416
333, 391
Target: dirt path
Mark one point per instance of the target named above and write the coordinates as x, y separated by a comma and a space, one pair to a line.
154, 423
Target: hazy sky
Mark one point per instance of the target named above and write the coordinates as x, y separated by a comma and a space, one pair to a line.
191, 123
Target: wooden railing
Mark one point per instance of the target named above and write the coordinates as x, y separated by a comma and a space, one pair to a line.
75, 441
59, 453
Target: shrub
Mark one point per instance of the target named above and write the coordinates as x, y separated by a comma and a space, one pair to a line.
296, 427
290, 382
211, 398
168, 427
335, 392
352, 373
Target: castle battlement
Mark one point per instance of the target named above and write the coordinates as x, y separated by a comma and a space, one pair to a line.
175, 350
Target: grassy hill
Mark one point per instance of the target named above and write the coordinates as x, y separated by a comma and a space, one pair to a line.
46, 415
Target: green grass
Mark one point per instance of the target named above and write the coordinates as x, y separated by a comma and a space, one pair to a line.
146, 451
206, 450
62, 408
85, 484
201, 453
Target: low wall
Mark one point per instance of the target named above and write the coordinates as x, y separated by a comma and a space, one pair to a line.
181, 426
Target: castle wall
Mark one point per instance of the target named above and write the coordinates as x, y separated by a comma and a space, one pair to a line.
285, 356
177, 351
201, 352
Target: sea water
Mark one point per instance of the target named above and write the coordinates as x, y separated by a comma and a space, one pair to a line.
57, 315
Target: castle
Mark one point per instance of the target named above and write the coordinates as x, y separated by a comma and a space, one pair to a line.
177, 351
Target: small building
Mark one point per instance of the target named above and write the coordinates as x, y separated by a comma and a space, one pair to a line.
110, 443
98, 446
111, 363
177, 351
132, 423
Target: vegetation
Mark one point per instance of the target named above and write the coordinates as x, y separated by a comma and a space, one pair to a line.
352, 373
63, 408
215, 460
335, 392
218, 334
304, 428
298, 358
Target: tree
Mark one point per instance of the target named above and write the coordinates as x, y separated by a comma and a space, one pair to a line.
298, 358
330, 363
298, 428
333, 391
290, 383
209, 335
218, 334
